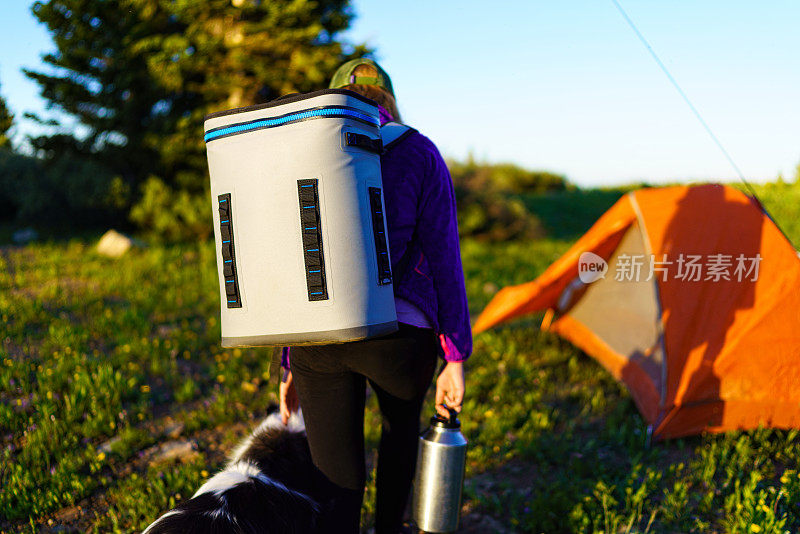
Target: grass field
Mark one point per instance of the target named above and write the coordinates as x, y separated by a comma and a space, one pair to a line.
103, 362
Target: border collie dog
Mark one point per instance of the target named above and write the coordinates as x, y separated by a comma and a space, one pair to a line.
269, 486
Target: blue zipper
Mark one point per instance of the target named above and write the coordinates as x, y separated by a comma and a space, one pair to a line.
317, 113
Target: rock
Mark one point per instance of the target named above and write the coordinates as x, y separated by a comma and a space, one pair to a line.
166, 330
174, 450
174, 429
107, 446
114, 245
24, 235
67, 514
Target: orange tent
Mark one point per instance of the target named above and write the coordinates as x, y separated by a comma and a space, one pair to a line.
692, 300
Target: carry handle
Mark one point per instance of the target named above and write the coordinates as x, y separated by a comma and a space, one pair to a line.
448, 422
364, 142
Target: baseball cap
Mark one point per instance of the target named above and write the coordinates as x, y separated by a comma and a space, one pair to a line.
344, 76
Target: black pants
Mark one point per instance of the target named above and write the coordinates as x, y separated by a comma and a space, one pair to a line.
331, 385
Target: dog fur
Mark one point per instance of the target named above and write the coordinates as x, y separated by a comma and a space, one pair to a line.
269, 486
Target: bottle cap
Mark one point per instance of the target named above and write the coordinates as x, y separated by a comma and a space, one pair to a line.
446, 422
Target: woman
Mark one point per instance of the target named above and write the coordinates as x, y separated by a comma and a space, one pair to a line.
329, 381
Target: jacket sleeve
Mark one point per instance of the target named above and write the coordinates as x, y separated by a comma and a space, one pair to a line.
437, 229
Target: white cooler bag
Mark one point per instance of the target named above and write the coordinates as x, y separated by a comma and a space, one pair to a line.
300, 230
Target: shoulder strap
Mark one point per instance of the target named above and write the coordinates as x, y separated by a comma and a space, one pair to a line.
391, 135
394, 132
404, 261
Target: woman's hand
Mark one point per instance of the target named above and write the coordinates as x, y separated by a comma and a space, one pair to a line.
288, 397
450, 388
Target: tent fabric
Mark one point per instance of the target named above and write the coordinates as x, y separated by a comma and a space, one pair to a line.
623, 316
708, 348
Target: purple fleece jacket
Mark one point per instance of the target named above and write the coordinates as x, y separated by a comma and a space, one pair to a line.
418, 192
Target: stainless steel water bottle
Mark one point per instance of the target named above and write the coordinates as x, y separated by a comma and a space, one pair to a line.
441, 458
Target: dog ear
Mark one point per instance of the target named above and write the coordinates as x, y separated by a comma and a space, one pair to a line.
272, 408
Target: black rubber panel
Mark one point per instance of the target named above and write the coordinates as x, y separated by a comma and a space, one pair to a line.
230, 281
379, 233
311, 230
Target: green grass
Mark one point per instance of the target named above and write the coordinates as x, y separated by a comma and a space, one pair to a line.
93, 349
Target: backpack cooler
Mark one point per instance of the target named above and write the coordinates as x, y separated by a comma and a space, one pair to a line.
299, 225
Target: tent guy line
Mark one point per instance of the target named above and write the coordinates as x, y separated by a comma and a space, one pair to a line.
683, 95
697, 114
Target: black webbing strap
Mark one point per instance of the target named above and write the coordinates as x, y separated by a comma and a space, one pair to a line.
405, 260
392, 134
364, 141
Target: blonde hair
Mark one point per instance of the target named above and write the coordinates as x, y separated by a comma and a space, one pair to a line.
373, 92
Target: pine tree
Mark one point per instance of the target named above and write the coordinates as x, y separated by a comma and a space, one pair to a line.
6, 121
140, 75
102, 82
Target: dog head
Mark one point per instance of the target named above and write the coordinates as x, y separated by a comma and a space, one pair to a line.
268, 487
241, 500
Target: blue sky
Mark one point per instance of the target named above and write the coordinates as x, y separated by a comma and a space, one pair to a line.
566, 86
